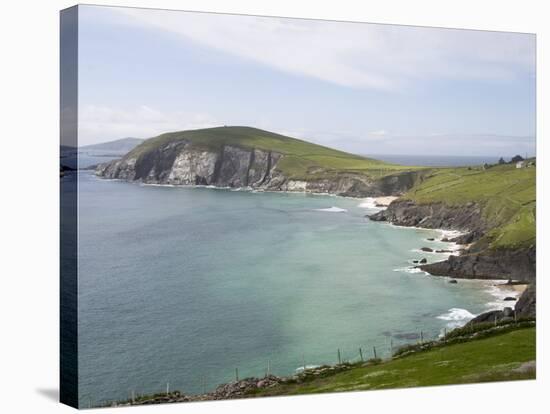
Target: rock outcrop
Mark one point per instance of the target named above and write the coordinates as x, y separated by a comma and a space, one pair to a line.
185, 163
477, 262
465, 217
515, 264
526, 308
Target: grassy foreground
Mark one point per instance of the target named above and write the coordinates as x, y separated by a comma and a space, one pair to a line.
496, 358
506, 194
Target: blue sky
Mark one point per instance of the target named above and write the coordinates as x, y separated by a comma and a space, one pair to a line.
363, 88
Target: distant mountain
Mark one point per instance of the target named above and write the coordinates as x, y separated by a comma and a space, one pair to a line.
118, 146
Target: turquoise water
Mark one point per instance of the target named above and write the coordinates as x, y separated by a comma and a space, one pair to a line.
183, 285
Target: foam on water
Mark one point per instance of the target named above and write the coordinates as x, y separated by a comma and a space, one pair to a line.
301, 369
500, 293
410, 270
370, 203
332, 209
457, 317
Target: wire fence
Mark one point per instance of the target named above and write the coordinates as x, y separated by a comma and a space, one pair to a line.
380, 350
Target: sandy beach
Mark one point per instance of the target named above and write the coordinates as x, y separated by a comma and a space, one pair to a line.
384, 201
516, 288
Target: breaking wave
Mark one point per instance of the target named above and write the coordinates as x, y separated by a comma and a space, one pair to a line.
332, 210
456, 317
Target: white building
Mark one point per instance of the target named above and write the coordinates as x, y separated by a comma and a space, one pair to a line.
520, 164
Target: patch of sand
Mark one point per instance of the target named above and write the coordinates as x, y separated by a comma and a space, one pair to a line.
384, 201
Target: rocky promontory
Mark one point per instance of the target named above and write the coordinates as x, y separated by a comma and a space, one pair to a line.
478, 261
239, 162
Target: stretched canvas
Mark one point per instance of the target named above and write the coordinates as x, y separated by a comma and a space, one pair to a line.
258, 206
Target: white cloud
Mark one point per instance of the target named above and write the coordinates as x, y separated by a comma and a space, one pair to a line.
104, 123
379, 133
352, 54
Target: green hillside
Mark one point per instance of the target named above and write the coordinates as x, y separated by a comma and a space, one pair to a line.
302, 159
496, 358
507, 196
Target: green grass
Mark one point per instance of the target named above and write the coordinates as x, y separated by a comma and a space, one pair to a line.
491, 359
506, 194
303, 159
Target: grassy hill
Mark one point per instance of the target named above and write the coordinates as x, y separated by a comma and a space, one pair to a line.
507, 196
302, 159
496, 358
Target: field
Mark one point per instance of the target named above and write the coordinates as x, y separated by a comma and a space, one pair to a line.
496, 358
506, 194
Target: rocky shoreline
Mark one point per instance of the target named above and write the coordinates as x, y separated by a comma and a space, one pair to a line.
475, 261
182, 163
243, 388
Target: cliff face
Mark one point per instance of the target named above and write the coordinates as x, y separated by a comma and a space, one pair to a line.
182, 163
466, 217
478, 262
506, 264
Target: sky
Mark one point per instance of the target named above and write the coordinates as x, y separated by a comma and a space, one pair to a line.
359, 87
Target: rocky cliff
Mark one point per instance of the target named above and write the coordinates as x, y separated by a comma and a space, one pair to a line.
478, 261
465, 217
185, 163
515, 264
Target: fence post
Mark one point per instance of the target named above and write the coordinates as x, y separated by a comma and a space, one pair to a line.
361, 354
374, 351
421, 337
237, 374
167, 388
304, 362
339, 357
133, 396
391, 346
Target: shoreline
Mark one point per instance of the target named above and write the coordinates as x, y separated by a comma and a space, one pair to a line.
382, 201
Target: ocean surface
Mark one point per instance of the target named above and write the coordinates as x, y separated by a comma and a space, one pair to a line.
181, 286
436, 160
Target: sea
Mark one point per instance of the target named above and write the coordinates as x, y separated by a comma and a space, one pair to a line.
187, 288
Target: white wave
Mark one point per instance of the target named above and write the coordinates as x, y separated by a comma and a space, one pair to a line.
301, 369
370, 203
456, 317
332, 209
500, 293
155, 185
450, 234
411, 270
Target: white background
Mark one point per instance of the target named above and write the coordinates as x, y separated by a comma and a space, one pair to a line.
29, 263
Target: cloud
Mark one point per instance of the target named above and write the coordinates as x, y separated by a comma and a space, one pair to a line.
379, 133
104, 123
357, 55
